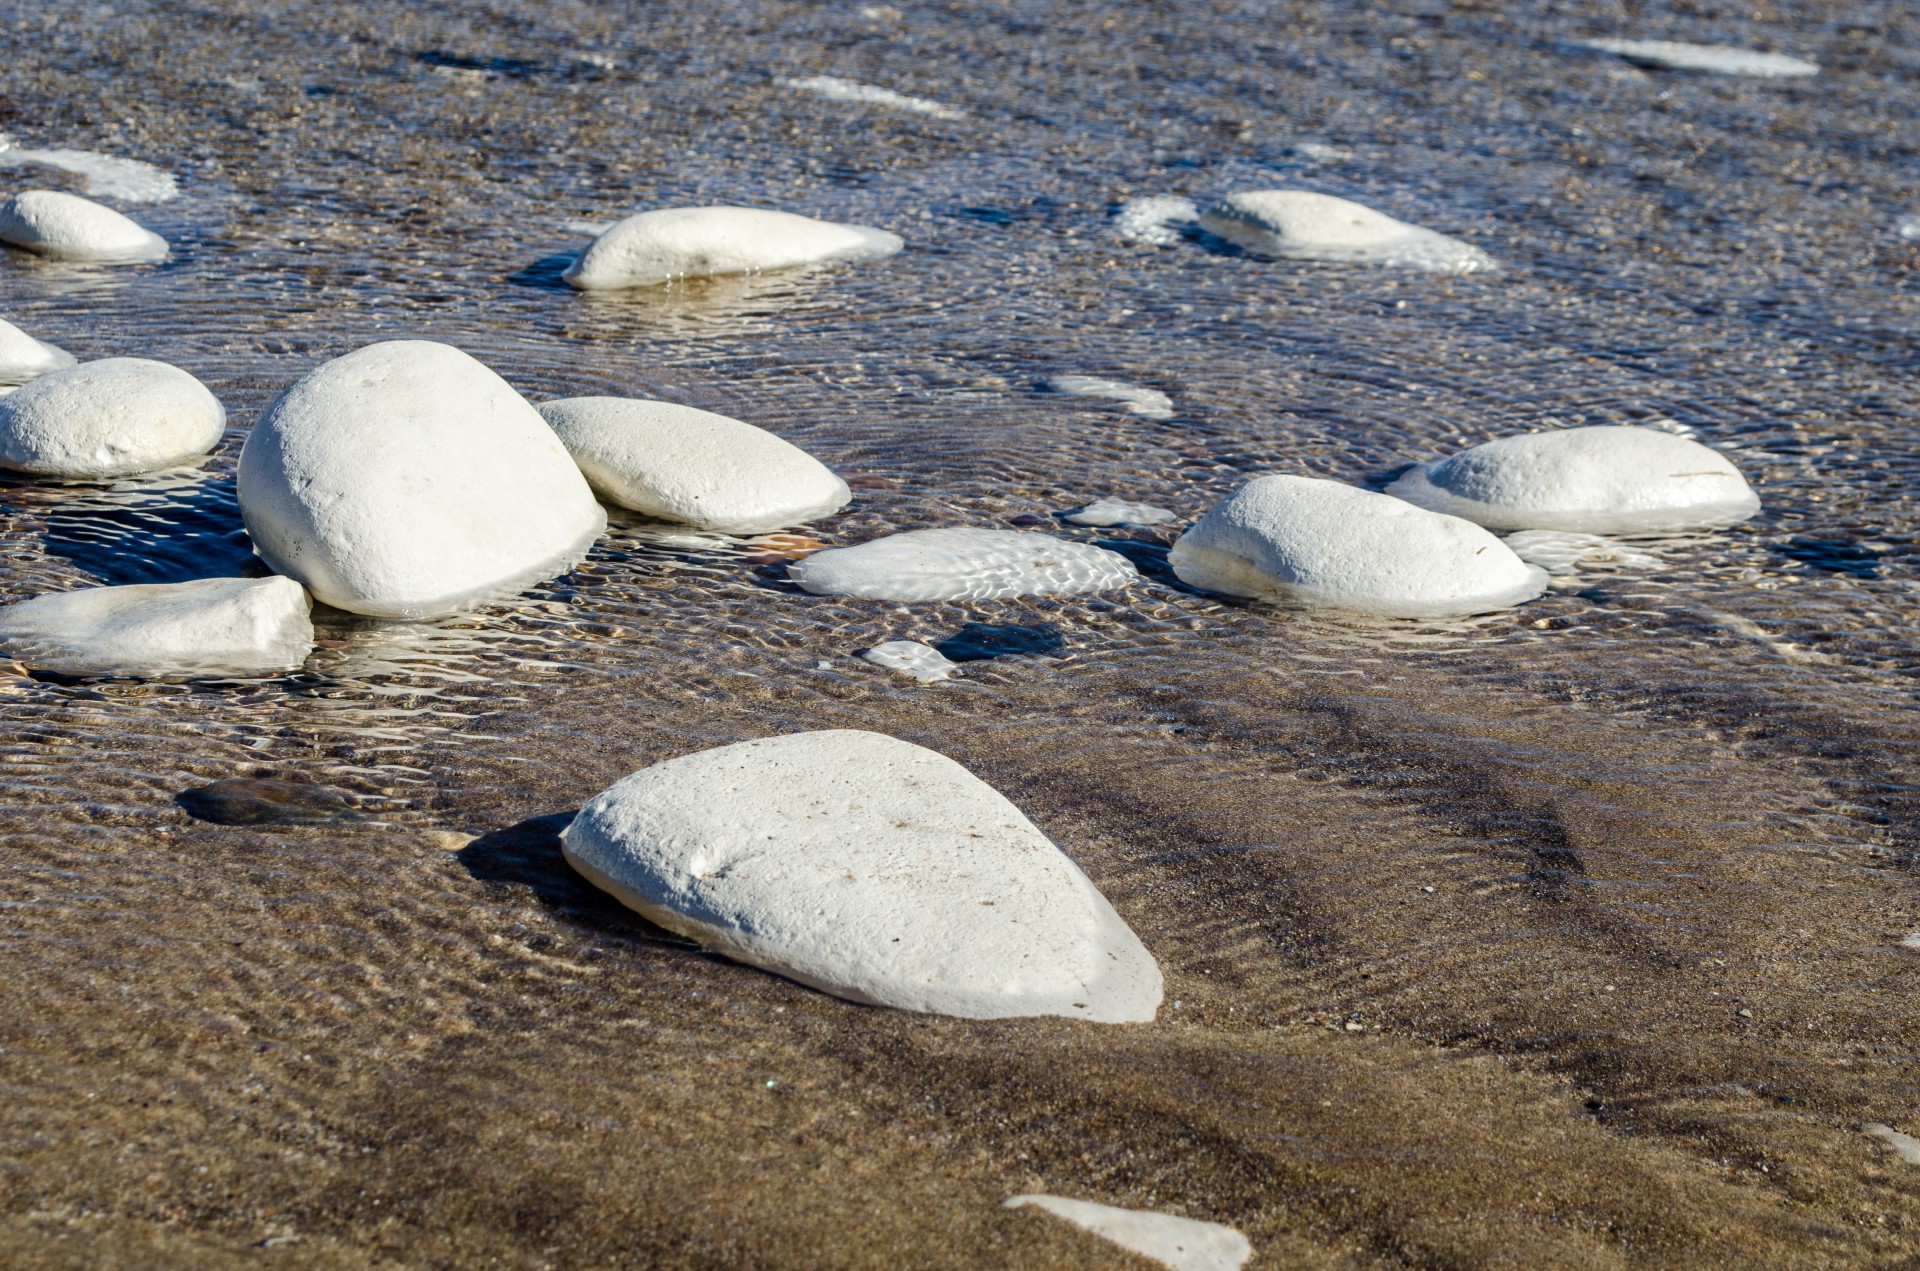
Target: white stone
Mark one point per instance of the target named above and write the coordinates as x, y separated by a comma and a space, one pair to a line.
1148, 403
1157, 220
1606, 479
215, 626
1303, 225
1321, 542
833, 88
68, 227
922, 661
1904, 1145
961, 564
406, 480
1720, 59
106, 175
23, 358
1120, 512
1185, 1244
110, 418
680, 464
698, 242
1910, 226
869, 868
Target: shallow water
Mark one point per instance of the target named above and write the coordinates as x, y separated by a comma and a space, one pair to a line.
1568, 936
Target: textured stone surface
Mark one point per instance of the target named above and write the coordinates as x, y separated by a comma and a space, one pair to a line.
694, 242
213, 626
110, 418
962, 564
68, 227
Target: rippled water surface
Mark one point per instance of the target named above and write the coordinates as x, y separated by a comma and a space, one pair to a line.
1568, 936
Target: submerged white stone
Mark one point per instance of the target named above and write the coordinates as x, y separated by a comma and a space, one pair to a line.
1321, 542
1563, 552
1157, 220
406, 480
1148, 403
833, 88
110, 418
1606, 479
109, 176
1910, 226
1119, 512
67, 227
961, 564
1304, 225
215, 626
870, 868
1719, 59
23, 358
922, 661
697, 242
1185, 1244
681, 464
1904, 1145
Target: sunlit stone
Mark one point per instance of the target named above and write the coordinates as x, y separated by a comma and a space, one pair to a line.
1719, 59
214, 626
962, 564
406, 480
23, 358
834, 88
67, 227
1103, 512
1608, 479
870, 868
1157, 220
1185, 1244
1320, 542
697, 242
1148, 403
1303, 225
910, 657
110, 418
681, 464
105, 175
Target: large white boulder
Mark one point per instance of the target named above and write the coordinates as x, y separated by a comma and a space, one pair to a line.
215, 626
406, 480
23, 358
1304, 225
110, 418
870, 868
695, 242
1184, 1244
68, 227
1601, 480
962, 564
681, 464
1321, 542
1717, 59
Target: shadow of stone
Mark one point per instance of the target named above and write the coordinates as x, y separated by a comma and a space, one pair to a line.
528, 855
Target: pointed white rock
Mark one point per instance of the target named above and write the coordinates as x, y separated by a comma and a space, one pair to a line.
922, 661
962, 564
1185, 1244
1303, 225
23, 358
869, 868
1321, 542
1607, 479
215, 626
110, 418
1103, 512
697, 242
406, 480
1719, 59
681, 464
68, 227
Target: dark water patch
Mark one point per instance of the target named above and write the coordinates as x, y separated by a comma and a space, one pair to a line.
1835, 556
979, 641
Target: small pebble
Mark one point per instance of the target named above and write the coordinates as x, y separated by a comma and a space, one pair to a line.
1185, 1244
922, 662
1718, 59
833, 88
1148, 403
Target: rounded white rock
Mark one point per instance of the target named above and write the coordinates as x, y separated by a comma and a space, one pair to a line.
214, 626
110, 418
961, 564
67, 227
681, 464
1185, 1244
1606, 479
1304, 225
869, 868
23, 358
1718, 59
697, 242
406, 480
1321, 542
922, 661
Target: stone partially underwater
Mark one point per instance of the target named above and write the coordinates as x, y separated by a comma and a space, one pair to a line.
65, 226
697, 242
212, 627
115, 417
962, 564
1717, 59
23, 358
1304, 225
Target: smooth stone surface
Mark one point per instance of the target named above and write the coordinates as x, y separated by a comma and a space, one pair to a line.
406, 480
1321, 542
961, 564
110, 418
106, 175
23, 358
1148, 403
1609, 479
1119, 512
681, 464
923, 662
1304, 225
213, 626
869, 868
1720, 59
68, 227
698, 242
833, 88
1185, 1244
